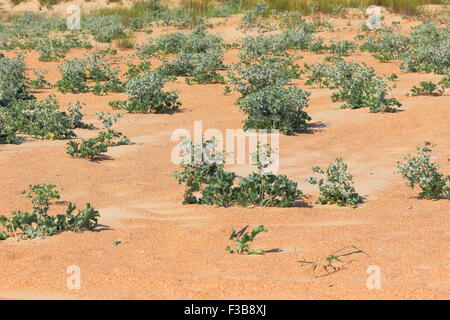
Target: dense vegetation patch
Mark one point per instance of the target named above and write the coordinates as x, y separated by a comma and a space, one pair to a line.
355, 84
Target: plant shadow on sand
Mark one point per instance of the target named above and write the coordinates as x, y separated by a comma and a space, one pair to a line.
102, 227
101, 158
314, 127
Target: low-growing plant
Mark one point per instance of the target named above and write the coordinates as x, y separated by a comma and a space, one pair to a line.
420, 171
39, 223
276, 107
252, 17
200, 66
357, 85
137, 69
200, 162
13, 81
267, 190
429, 50
43, 118
94, 147
342, 48
275, 44
198, 41
104, 28
7, 131
208, 183
268, 71
90, 148
244, 239
110, 136
427, 88
385, 44
73, 77
338, 186
94, 67
126, 41
39, 82
145, 95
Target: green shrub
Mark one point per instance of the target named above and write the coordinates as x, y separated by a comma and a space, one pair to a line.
427, 88
252, 17
267, 191
200, 66
357, 85
385, 44
90, 148
13, 81
426, 49
145, 95
275, 44
269, 71
39, 82
295, 20
93, 148
94, 67
7, 132
420, 171
429, 50
43, 118
110, 136
276, 107
337, 188
342, 48
104, 28
208, 183
202, 162
38, 223
73, 77
198, 41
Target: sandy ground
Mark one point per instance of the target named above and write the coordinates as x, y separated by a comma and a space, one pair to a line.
175, 251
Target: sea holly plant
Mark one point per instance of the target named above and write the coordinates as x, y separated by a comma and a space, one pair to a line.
39, 82
110, 136
420, 171
338, 186
356, 85
198, 41
94, 147
90, 148
200, 164
208, 183
428, 88
7, 131
244, 239
252, 76
41, 194
276, 107
73, 77
13, 81
145, 95
43, 119
39, 223
199, 67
